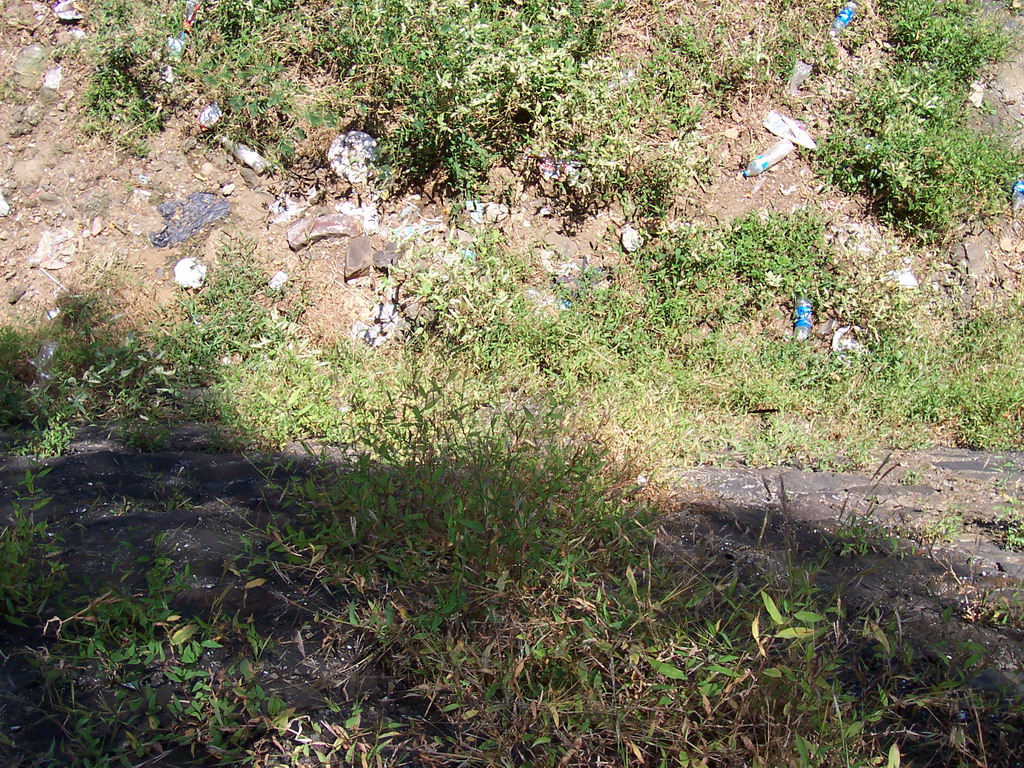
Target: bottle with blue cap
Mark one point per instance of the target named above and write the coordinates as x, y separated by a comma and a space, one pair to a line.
843, 19
804, 319
766, 160
1018, 195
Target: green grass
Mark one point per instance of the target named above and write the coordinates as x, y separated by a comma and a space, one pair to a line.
903, 137
493, 567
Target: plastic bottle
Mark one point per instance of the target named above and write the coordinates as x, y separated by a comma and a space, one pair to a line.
766, 160
1018, 195
804, 318
244, 154
843, 19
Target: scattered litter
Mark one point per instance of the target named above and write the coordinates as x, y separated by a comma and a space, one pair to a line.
843, 19
486, 213
51, 314
167, 74
353, 156
284, 209
210, 115
367, 213
245, 155
845, 341
278, 281
977, 94
56, 248
302, 233
623, 78
631, 239
5, 207
183, 219
383, 325
191, 13
52, 79
804, 319
176, 46
904, 278
190, 273
67, 10
764, 161
801, 71
43, 363
788, 128
1018, 195
558, 169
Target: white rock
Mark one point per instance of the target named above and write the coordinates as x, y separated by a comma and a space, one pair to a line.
5, 207
631, 239
53, 78
189, 273
277, 282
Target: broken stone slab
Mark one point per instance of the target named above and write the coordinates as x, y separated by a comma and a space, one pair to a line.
15, 294
359, 258
307, 231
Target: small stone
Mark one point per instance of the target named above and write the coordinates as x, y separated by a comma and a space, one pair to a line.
1006, 245
190, 273
278, 281
97, 226
5, 207
227, 189
207, 169
563, 246
14, 295
731, 133
388, 257
251, 178
359, 258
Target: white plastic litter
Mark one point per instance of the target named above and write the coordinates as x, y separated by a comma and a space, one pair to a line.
66, 10
631, 239
788, 128
845, 341
353, 156
904, 278
190, 273
366, 213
